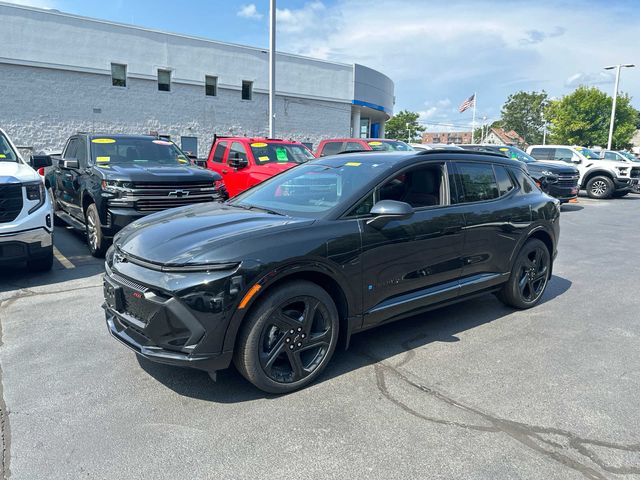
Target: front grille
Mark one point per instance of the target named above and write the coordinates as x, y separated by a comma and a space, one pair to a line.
567, 180
158, 204
635, 172
139, 308
170, 186
10, 202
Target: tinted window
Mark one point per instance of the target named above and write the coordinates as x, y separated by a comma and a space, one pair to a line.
419, 187
164, 80
478, 182
210, 86
268, 152
542, 153
331, 148
72, 148
364, 207
118, 75
563, 155
139, 151
354, 146
505, 184
247, 90
238, 151
524, 181
219, 151
81, 152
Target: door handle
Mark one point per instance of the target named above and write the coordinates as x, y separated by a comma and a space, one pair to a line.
452, 230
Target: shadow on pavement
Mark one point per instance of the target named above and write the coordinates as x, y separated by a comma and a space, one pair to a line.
441, 325
571, 207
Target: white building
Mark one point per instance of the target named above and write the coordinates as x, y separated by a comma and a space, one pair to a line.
62, 73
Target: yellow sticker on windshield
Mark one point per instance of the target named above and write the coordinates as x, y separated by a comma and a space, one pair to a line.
103, 140
264, 158
503, 149
182, 160
2, 155
352, 164
103, 159
375, 143
259, 144
578, 148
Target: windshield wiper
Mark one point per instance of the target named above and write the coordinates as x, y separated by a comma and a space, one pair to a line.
246, 206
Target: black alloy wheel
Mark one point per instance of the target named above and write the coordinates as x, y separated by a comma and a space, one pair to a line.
288, 338
529, 276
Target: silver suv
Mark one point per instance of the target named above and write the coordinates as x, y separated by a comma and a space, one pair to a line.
601, 178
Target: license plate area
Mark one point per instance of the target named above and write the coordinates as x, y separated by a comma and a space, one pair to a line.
113, 296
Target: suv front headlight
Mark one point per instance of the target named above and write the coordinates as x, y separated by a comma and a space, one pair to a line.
623, 171
35, 193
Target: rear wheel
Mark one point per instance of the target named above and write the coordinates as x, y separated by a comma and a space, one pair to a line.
600, 187
288, 338
529, 276
95, 239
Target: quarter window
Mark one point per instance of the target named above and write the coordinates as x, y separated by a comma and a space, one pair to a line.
72, 149
331, 148
478, 182
164, 80
210, 86
118, 75
525, 182
505, 184
247, 90
218, 153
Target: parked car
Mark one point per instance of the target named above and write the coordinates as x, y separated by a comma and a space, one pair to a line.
622, 156
244, 162
338, 145
103, 182
560, 181
600, 178
325, 250
26, 229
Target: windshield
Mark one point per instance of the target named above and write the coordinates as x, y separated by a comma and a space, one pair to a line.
135, 150
630, 156
308, 190
588, 153
517, 154
389, 146
6, 152
264, 153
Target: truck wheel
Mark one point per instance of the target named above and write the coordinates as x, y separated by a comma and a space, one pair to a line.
95, 239
288, 337
600, 187
42, 264
58, 222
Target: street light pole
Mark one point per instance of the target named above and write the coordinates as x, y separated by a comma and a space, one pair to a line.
272, 68
615, 98
408, 132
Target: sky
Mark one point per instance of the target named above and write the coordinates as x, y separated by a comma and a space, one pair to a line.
438, 53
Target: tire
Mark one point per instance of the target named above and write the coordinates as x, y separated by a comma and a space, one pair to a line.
58, 222
278, 350
41, 264
529, 276
600, 187
95, 238
621, 194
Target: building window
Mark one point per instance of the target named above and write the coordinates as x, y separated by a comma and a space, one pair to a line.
164, 80
210, 86
247, 90
118, 75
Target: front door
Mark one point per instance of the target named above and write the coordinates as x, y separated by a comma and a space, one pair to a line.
413, 263
67, 187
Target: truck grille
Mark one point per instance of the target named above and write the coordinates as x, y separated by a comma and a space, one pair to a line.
158, 204
10, 202
567, 180
155, 197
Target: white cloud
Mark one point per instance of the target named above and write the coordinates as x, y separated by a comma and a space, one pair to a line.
438, 50
589, 78
250, 11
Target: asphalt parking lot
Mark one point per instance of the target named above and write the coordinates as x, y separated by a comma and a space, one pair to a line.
474, 390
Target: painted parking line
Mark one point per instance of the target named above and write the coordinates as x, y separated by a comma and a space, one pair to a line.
62, 259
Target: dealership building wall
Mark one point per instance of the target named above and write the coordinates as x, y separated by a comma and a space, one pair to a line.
55, 80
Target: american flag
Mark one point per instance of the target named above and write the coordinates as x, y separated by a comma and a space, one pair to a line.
468, 103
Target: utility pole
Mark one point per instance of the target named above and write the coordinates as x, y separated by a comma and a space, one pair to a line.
272, 68
408, 132
615, 98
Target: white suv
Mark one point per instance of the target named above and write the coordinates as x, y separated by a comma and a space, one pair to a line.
26, 229
601, 178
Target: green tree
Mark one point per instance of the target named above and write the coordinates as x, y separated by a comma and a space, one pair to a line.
404, 125
523, 112
582, 118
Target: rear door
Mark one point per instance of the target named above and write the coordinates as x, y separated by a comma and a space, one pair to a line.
494, 220
542, 154
413, 263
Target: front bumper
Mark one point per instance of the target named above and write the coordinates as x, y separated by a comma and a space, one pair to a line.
562, 193
624, 184
24, 245
118, 218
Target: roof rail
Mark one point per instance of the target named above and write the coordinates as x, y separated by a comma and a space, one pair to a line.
462, 152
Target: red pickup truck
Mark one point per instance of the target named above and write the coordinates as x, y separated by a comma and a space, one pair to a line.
244, 162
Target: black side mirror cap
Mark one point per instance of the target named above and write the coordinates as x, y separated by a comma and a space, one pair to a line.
70, 163
41, 161
386, 210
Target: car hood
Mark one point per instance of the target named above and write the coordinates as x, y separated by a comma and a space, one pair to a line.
17, 172
204, 233
173, 174
555, 168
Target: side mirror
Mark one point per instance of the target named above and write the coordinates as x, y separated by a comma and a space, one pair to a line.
238, 162
70, 163
41, 161
199, 162
575, 158
387, 210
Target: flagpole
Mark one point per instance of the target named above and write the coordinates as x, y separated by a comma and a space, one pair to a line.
473, 121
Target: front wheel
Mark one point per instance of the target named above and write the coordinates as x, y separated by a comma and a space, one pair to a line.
529, 276
288, 338
95, 239
600, 187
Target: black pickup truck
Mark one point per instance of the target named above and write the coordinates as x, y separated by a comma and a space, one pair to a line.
102, 182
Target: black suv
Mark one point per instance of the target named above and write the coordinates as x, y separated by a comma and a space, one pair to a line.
272, 278
560, 181
104, 182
